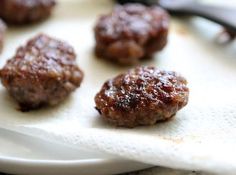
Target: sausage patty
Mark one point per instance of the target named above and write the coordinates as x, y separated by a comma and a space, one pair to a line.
43, 72
131, 32
25, 11
142, 96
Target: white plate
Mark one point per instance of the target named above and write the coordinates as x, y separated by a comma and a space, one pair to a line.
22, 154
73, 21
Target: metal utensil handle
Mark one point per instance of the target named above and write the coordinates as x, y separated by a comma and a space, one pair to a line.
221, 15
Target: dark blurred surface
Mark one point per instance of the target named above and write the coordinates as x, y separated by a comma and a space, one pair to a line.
146, 2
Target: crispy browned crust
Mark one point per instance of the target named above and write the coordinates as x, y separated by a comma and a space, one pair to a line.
43, 72
142, 96
25, 11
130, 33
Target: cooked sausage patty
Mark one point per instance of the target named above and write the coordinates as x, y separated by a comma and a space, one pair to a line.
2, 32
142, 96
25, 11
43, 72
131, 32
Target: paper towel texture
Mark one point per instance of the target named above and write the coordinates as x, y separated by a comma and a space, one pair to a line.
202, 136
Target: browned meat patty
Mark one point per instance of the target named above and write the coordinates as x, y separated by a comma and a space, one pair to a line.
130, 33
25, 11
43, 72
2, 32
142, 96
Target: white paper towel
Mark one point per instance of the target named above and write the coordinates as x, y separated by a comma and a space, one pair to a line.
202, 136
